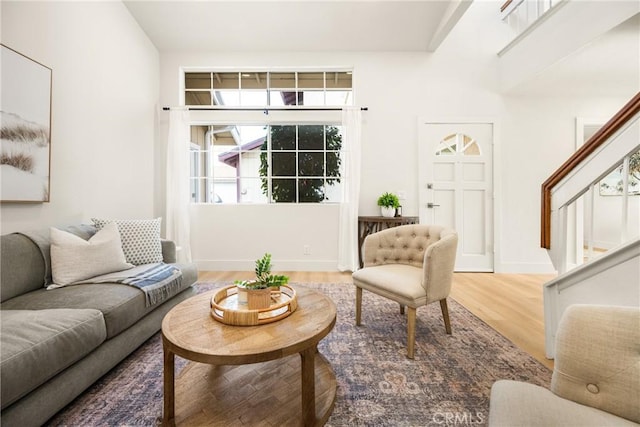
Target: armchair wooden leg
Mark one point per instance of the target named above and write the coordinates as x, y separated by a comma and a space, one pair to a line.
411, 331
445, 315
358, 305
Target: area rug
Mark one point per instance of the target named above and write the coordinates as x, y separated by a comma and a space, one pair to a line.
448, 383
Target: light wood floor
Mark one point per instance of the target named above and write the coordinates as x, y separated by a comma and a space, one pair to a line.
509, 303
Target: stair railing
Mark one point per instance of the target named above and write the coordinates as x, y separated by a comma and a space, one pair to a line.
565, 194
624, 120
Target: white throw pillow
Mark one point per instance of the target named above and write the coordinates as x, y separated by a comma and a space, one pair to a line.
140, 239
74, 259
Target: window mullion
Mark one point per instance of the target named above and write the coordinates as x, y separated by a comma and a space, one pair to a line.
324, 151
324, 89
269, 166
297, 151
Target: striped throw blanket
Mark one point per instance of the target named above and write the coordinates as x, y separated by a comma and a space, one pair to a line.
158, 281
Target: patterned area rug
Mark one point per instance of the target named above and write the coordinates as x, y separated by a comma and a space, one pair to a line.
448, 383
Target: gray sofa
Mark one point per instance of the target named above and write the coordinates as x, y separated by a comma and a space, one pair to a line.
56, 343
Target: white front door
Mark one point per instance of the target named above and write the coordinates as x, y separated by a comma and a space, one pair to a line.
456, 187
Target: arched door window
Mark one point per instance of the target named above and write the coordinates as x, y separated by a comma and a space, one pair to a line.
458, 143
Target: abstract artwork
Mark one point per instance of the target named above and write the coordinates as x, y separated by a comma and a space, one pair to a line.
25, 128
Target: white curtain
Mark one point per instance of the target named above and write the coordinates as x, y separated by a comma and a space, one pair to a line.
178, 198
348, 227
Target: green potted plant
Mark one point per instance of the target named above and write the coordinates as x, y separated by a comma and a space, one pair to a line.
388, 203
256, 293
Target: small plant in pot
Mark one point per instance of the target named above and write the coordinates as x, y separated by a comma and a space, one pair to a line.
388, 203
256, 293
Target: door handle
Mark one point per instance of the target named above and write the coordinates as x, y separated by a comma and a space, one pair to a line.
431, 205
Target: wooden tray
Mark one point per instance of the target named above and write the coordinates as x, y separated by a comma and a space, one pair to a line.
225, 309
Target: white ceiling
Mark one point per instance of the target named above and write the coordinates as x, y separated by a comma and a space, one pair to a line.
293, 26
609, 65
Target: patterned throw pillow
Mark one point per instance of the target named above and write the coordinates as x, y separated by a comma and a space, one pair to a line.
140, 239
74, 259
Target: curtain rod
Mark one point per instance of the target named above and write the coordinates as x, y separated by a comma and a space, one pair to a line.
265, 109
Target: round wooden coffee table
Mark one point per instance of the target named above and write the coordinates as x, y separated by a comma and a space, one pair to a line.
252, 373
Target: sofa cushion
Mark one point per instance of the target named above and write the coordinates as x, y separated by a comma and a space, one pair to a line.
121, 305
35, 345
140, 239
396, 281
74, 259
515, 403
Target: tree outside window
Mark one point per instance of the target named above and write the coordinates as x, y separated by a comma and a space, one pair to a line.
305, 160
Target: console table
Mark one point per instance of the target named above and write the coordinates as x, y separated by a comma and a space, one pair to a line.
372, 224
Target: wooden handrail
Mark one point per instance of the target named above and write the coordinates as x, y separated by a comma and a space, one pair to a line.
623, 116
505, 5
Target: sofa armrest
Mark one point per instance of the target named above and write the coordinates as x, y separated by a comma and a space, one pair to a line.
168, 251
369, 250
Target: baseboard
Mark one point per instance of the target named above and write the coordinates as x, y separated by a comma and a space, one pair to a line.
280, 265
525, 268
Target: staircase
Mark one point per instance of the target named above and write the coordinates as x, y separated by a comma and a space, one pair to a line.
574, 214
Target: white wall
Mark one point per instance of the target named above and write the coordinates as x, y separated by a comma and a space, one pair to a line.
108, 136
105, 92
538, 136
535, 135
391, 85
397, 88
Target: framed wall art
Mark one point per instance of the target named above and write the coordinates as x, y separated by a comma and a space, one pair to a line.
25, 128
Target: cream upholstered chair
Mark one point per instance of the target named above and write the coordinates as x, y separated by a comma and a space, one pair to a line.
596, 375
409, 264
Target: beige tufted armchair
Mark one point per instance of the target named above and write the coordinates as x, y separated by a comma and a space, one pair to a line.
409, 264
596, 375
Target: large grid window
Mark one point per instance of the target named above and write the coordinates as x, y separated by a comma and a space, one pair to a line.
272, 164
284, 161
